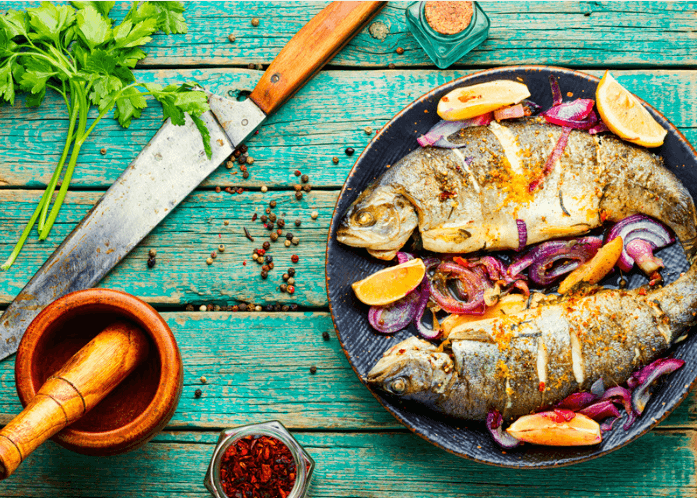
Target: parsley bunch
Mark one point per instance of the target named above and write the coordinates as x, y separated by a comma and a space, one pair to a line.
76, 52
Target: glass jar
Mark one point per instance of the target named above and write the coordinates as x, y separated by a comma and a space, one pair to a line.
304, 464
445, 49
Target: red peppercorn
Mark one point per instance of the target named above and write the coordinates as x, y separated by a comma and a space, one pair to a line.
297, 172
291, 289
295, 258
261, 252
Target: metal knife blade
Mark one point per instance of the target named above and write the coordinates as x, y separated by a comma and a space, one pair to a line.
170, 166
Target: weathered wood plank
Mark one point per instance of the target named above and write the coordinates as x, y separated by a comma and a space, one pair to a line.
183, 242
582, 34
319, 122
257, 367
381, 465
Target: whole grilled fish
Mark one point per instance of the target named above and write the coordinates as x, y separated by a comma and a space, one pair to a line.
524, 361
472, 198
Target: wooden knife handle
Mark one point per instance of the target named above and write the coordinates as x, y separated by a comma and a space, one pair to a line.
72, 391
310, 49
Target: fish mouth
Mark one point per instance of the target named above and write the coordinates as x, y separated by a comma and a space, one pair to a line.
358, 238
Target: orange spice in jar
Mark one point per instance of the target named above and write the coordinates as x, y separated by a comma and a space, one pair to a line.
447, 31
448, 18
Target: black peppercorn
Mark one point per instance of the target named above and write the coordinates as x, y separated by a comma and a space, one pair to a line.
269, 259
325, 335
274, 236
242, 159
189, 307
269, 307
349, 151
245, 175
293, 307
299, 195
285, 308
277, 307
289, 236
281, 223
243, 148
272, 204
271, 266
291, 272
264, 274
283, 287
313, 370
198, 393
264, 218
243, 307
307, 188
272, 217
305, 178
297, 222
151, 262
237, 153
266, 245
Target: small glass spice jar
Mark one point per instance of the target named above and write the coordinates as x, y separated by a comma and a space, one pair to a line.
265, 444
447, 31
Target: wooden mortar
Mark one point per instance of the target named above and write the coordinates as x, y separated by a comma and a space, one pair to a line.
140, 405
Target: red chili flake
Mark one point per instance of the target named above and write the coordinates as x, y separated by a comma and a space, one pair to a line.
603, 216
642, 291
254, 217
446, 195
541, 388
295, 258
257, 466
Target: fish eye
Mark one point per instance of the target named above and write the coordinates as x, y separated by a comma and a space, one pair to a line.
398, 385
364, 218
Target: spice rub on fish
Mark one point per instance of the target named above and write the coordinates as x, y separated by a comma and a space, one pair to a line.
522, 362
474, 198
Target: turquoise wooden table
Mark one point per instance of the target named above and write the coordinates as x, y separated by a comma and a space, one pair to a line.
258, 364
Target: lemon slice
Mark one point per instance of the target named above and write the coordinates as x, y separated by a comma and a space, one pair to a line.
390, 284
625, 116
595, 270
471, 101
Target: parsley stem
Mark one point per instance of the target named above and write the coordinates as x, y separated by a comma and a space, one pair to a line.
25, 233
51, 187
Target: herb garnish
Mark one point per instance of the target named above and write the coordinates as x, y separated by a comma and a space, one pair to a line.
76, 52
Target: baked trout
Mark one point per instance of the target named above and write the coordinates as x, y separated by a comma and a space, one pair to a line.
472, 198
524, 361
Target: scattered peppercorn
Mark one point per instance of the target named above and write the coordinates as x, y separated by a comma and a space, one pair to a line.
285, 308
307, 188
217, 190
265, 268
283, 287
152, 253
294, 307
274, 236
297, 222
287, 243
269, 307
305, 178
279, 232
291, 272
209, 307
226, 222
255, 21
269, 258
285, 276
214, 254
267, 210
314, 215
202, 307
243, 148
264, 188
229, 165
335, 160
221, 248
272, 204
297, 187
151, 262
368, 130
295, 258
243, 307
295, 241
255, 256
281, 223
245, 175
240, 190
261, 252
299, 195
242, 160
266, 245
349, 151
250, 160
297, 172
198, 393
291, 281
325, 335
264, 274
235, 308
237, 153
269, 225
623, 283
189, 307
272, 217
289, 236
271, 266
391, 65
231, 38
264, 218
247, 234
313, 370
209, 261
203, 380
399, 50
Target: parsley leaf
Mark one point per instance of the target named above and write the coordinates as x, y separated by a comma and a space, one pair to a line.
102, 7
171, 17
93, 29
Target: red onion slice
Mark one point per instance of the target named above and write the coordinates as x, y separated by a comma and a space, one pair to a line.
576, 252
577, 401
642, 394
638, 226
601, 410
598, 128
494, 423
556, 91
474, 286
424, 331
437, 136
522, 234
403, 257
576, 114
395, 316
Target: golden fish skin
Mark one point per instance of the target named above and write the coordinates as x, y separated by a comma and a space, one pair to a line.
469, 199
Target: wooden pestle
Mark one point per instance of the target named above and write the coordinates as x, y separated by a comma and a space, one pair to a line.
85, 379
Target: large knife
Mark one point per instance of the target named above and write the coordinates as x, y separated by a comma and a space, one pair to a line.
174, 163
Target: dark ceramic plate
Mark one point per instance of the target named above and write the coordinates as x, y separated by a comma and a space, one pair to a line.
364, 347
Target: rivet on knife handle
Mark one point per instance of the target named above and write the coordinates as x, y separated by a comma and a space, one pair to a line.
310, 49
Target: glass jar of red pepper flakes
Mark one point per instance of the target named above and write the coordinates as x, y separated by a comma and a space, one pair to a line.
259, 461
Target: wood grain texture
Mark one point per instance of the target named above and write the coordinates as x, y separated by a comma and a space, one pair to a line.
318, 123
385, 465
581, 34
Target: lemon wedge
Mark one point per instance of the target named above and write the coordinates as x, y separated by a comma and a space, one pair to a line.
625, 116
390, 284
475, 100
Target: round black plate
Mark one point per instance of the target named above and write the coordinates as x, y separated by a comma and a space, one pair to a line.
364, 347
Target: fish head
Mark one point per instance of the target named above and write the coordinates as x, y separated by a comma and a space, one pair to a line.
413, 369
381, 219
